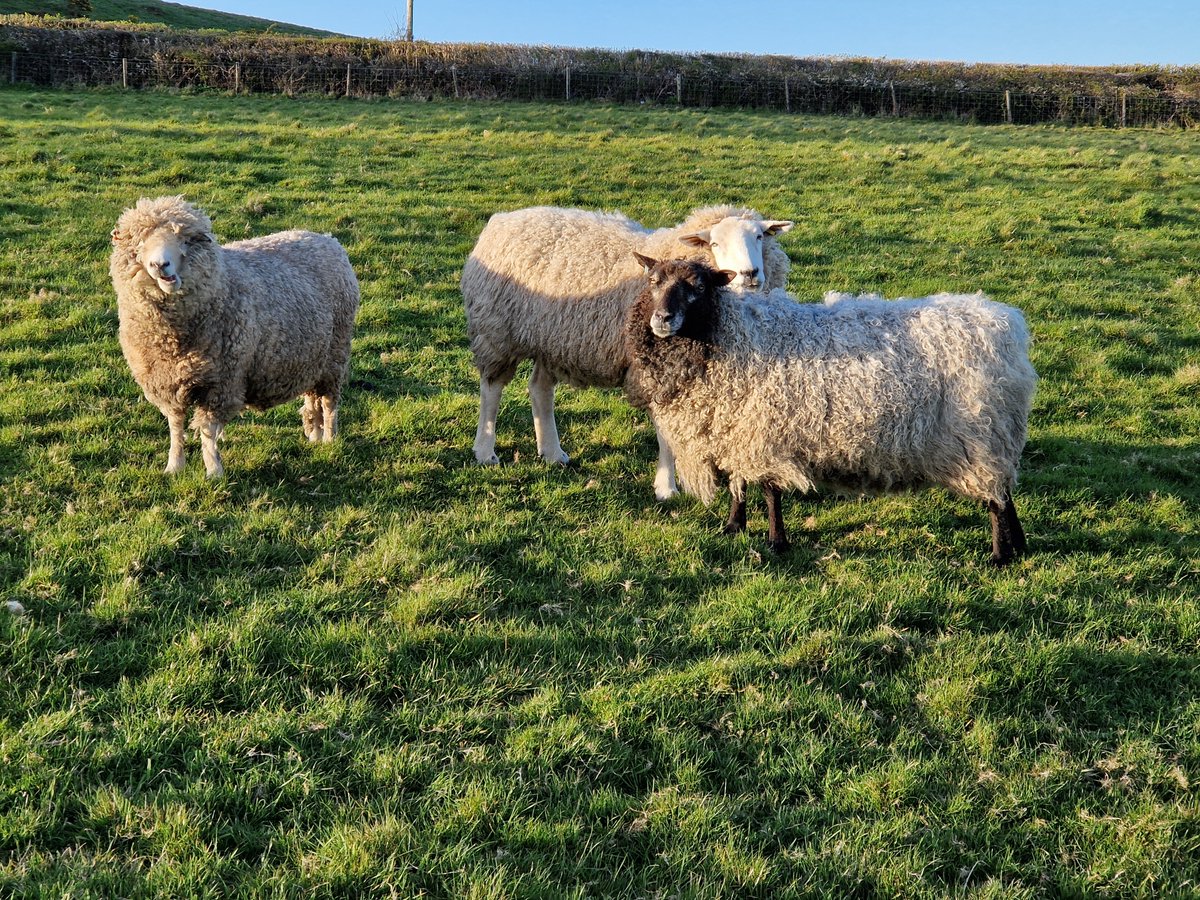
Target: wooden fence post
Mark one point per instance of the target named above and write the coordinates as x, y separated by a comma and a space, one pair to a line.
679, 88
1122, 107
454, 80
12, 75
237, 77
124, 72
787, 95
1008, 107
895, 104
568, 82
347, 79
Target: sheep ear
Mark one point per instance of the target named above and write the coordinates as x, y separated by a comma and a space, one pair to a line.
778, 226
722, 277
647, 262
696, 238
116, 235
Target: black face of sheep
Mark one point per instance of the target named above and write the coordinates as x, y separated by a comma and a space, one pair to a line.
680, 295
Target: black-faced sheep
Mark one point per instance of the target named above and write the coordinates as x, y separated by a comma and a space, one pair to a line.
250, 324
553, 285
859, 396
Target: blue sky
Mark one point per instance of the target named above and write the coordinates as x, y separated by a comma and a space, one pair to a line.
1071, 32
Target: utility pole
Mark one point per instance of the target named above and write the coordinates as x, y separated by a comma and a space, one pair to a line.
408, 27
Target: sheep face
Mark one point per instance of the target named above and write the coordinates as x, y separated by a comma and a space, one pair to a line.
163, 255
676, 286
736, 244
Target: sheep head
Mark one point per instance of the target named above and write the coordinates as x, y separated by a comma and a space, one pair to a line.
155, 238
681, 293
736, 245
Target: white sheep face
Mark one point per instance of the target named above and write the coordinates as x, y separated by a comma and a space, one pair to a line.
736, 244
163, 256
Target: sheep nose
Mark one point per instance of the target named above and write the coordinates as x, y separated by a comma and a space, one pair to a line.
750, 274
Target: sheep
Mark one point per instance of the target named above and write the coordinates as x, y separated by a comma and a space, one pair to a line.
250, 324
553, 285
861, 396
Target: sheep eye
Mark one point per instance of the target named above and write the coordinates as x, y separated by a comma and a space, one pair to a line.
714, 245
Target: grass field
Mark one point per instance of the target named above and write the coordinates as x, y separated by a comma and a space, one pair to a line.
374, 669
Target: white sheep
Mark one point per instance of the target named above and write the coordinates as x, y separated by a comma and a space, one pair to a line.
553, 285
250, 324
863, 395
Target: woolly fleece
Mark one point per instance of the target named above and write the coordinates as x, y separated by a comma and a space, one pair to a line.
856, 395
555, 284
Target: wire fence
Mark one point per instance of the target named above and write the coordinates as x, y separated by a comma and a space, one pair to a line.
304, 75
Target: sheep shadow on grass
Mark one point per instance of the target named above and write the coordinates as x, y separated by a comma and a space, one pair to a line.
1059, 476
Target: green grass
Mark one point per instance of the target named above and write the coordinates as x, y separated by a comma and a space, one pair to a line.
176, 15
373, 669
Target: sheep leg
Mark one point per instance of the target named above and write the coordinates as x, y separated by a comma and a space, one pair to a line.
311, 417
737, 516
329, 418
776, 535
664, 475
177, 454
541, 398
1008, 537
489, 405
737, 506
210, 432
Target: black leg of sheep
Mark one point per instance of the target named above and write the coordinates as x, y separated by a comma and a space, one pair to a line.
737, 516
776, 536
1008, 537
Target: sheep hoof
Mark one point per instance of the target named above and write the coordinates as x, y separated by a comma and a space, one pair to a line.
665, 488
556, 456
173, 468
779, 547
487, 459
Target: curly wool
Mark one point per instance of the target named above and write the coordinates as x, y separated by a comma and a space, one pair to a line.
555, 284
255, 323
858, 396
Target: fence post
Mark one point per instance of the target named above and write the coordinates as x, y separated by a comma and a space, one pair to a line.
568, 82
12, 75
679, 88
1122, 107
347, 79
787, 95
454, 79
124, 72
895, 104
1007, 107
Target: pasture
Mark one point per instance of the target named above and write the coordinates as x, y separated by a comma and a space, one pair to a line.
375, 669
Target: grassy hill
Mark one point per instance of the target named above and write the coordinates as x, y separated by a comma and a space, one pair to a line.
174, 14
